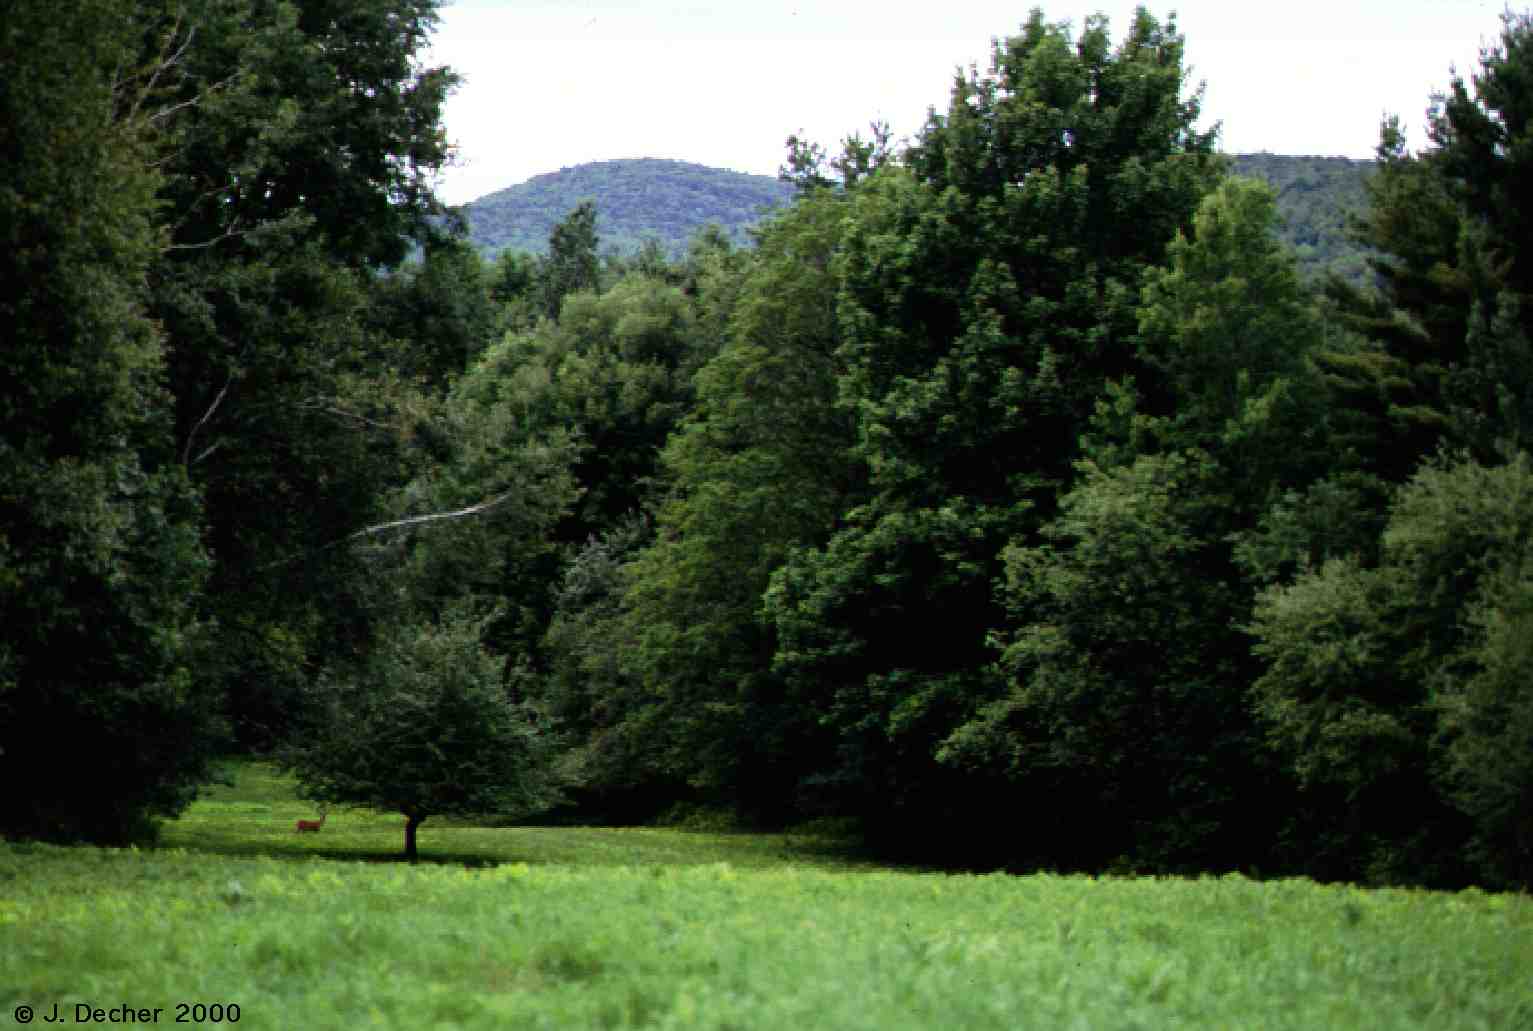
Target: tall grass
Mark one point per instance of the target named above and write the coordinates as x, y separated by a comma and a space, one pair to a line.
530, 927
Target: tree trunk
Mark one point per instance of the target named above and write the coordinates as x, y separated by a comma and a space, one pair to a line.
411, 823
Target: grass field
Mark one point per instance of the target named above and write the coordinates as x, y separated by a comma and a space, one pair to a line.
574, 928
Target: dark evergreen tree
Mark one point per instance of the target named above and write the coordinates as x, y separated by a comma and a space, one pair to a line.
104, 724
1451, 321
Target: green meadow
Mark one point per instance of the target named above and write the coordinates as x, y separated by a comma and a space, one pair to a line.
530, 927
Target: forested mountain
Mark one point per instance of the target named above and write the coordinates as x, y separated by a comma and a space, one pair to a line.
670, 200
636, 198
1315, 198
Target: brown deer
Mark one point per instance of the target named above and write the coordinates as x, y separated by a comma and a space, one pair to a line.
312, 825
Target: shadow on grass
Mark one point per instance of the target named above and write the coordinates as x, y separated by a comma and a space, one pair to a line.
272, 846
468, 860
538, 846
250, 813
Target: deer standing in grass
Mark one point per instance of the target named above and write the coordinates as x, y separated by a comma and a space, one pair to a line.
312, 825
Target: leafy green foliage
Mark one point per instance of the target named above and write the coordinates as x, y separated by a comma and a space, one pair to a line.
423, 728
314, 117
553, 435
1487, 713
1482, 139
1124, 727
103, 724
615, 370
1318, 199
1126, 673
650, 201
617, 738
989, 288
477, 526
959, 498
1372, 671
806, 166
760, 465
1415, 323
637, 200
572, 262
1390, 669
1224, 323
439, 313
303, 146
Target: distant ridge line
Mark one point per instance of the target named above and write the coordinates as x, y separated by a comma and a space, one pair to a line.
669, 200
636, 199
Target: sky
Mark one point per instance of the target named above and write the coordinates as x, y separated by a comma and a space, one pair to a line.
549, 84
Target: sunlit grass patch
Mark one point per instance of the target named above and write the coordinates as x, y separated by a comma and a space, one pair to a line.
574, 928
255, 814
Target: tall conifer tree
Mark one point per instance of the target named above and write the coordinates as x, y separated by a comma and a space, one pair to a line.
102, 725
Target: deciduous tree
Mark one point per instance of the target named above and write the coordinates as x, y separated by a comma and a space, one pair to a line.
424, 728
989, 292
304, 146
572, 262
1396, 691
760, 465
1127, 671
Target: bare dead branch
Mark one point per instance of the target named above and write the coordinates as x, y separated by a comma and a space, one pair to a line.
276, 225
227, 234
483, 507
166, 112
162, 63
191, 436
319, 405
432, 517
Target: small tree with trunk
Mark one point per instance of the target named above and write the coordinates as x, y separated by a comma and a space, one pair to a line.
425, 728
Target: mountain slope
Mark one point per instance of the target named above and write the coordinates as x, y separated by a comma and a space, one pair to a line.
1315, 197
635, 198
670, 200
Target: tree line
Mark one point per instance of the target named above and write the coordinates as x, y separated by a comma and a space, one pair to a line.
1013, 500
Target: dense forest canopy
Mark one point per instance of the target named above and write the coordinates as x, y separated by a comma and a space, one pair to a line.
1048, 490
1317, 199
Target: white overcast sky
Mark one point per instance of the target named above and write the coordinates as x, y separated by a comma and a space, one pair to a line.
553, 83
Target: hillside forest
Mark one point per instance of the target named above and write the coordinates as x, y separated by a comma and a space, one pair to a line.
1010, 499
649, 202
640, 202
643, 203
